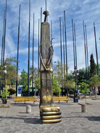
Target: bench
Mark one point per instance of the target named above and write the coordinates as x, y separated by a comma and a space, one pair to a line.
60, 98
19, 99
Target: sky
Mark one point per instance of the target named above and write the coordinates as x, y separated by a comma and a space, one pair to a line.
78, 10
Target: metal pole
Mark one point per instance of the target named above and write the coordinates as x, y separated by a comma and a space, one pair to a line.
38, 45
29, 49
33, 55
4, 34
75, 60
51, 31
2, 52
41, 16
60, 41
96, 49
65, 42
73, 43
75, 47
75, 69
86, 49
5, 72
86, 52
84, 43
18, 48
63, 51
45, 5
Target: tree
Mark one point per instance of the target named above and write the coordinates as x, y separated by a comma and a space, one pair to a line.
84, 88
11, 71
83, 76
55, 86
58, 73
37, 83
70, 85
5, 92
94, 82
92, 66
24, 80
33, 73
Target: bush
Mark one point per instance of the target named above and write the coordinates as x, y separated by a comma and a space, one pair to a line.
5, 92
11, 91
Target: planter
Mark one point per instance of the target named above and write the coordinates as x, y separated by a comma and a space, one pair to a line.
4, 100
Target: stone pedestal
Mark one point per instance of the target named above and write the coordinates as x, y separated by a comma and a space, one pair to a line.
83, 107
28, 109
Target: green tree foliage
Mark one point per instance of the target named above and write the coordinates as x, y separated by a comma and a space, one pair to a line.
58, 77
24, 78
37, 83
84, 88
55, 86
94, 81
58, 72
24, 81
92, 66
83, 76
33, 73
70, 85
11, 71
5, 92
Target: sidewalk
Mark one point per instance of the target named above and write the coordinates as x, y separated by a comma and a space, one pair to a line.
15, 119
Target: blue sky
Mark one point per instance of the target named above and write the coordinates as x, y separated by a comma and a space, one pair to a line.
78, 10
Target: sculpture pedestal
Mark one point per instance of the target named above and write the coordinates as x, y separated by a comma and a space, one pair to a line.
50, 114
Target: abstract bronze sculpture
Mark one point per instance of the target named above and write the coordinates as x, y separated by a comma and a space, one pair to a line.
48, 112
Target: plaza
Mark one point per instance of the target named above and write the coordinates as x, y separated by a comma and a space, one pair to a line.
16, 120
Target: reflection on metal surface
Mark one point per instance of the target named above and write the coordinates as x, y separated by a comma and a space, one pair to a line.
51, 117
50, 109
51, 121
51, 113
47, 98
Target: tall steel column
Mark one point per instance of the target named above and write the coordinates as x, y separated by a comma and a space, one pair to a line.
18, 49
65, 44
96, 49
29, 48
33, 55
75, 60
38, 43
85, 48
60, 41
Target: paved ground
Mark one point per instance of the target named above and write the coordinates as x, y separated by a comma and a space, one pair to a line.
15, 119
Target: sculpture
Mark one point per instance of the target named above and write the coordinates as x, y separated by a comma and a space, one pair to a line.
48, 112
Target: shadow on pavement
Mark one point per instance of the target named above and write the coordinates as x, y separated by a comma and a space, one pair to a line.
23, 104
26, 120
90, 118
63, 103
93, 118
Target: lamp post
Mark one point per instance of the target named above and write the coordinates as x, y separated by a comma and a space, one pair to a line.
75, 91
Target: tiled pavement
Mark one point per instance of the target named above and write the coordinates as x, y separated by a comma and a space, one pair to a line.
16, 120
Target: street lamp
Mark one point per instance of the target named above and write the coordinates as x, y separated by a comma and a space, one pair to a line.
75, 91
